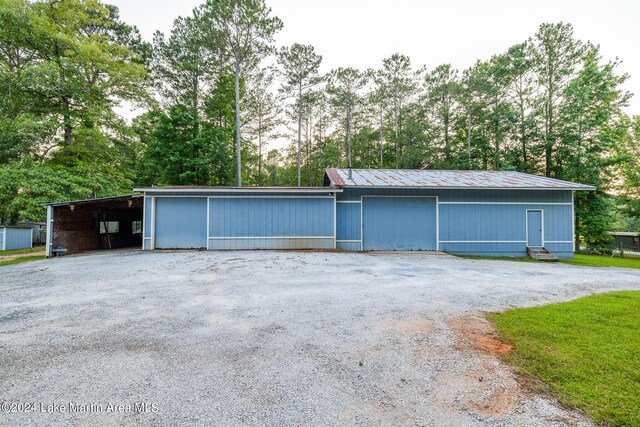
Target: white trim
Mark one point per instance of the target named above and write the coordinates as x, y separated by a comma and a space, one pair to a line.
349, 201
202, 196
437, 224
144, 217
361, 223
335, 221
349, 241
31, 239
400, 197
573, 221
4, 239
207, 221
506, 203
260, 197
49, 235
483, 241
152, 234
267, 237
179, 196
238, 190
526, 225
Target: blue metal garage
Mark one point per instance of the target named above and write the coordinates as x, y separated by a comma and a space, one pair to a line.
476, 212
463, 212
239, 218
466, 212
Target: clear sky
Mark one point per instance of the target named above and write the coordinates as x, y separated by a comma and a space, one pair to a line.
360, 33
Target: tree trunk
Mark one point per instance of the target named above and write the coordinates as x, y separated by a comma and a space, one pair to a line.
447, 148
469, 141
523, 136
299, 131
259, 152
309, 141
549, 137
349, 135
238, 140
395, 129
576, 222
68, 130
381, 138
496, 133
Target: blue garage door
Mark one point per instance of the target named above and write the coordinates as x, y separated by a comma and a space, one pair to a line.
399, 223
181, 222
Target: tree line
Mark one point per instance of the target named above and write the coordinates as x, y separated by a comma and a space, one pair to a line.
216, 95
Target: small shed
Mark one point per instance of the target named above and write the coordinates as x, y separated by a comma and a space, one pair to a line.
12, 237
627, 240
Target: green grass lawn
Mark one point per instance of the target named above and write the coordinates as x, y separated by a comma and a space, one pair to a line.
579, 259
22, 251
21, 260
586, 352
603, 261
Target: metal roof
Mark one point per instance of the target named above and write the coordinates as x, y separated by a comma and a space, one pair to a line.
446, 179
96, 200
198, 189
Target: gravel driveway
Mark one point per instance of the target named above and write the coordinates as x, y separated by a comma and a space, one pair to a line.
273, 338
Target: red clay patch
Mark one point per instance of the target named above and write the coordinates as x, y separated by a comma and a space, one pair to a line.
475, 332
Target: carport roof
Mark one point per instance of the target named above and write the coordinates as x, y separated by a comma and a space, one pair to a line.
97, 201
445, 179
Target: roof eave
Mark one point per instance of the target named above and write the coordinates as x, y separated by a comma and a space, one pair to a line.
238, 190
399, 187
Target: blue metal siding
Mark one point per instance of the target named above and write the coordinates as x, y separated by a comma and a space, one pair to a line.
482, 222
561, 250
349, 246
181, 222
271, 243
272, 222
16, 238
511, 196
485, 248
558, 223
399, 223
270, 217
348, 224
1, 238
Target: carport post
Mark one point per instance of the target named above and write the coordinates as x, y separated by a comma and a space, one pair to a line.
152, 234
335, 220
49, 240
